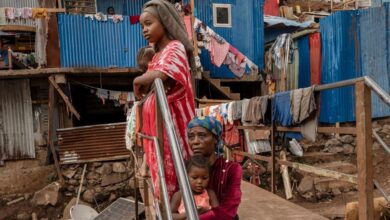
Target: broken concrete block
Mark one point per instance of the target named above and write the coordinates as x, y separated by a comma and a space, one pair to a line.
47, 195
348, 149
105, 169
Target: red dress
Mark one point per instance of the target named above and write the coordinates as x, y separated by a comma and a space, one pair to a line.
225, 180
173, 62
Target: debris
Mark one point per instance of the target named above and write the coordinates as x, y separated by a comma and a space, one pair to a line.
92, 176
332, 142
347, 139
112, 197
89, 195
306, 184
47, 195
114, 178
118, 167
348, 149
15, 201
69, 173
22, 215
34, 216
352, 209
105, 169
386, 129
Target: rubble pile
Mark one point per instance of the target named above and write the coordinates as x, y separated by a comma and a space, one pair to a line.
103, 181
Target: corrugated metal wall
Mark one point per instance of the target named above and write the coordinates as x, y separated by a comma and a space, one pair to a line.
20, 4
87, 43
357, 47
246, 34
16, 120
134, 7
304, 65
118, 5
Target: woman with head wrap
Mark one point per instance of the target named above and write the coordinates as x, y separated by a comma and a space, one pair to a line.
204, 137
163, 27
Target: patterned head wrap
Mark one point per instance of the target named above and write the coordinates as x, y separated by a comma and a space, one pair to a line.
212, 125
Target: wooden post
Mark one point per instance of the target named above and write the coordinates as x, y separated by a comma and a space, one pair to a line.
160, 137
51, 132
338, 129
273, 173
364, 151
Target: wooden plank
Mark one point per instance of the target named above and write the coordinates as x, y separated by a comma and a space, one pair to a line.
286, 178
364, 151
273, 159
51, 132
17, 28
257, 203
9, 74
306, 168
64, 97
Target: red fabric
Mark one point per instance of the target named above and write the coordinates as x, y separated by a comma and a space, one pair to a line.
233, 139
315, 58
187, 22
271, 7
173, 62
239, 56
218, 52
202, 200
225, 180
134, 19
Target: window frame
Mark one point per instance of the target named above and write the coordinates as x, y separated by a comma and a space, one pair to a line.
219, 5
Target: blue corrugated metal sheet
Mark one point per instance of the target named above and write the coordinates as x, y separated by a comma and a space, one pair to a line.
87, 43
134, 7
357, 47
304, 64
246, 34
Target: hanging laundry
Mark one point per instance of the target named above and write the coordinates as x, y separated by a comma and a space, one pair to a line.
238, 55
255, 135
10, 13
256, 110
295, 108
3, 17
39, 13
26, 13
238, 70
283, 41
134, 19
281, 109
302, 104
237, 110
224, 112
218, 51
244, 107
254, 171
100, 16
230, 113
231, 135
130, 127
198, 112
117, 18
18, 13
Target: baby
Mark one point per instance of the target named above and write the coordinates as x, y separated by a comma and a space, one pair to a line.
205, 199
144, 56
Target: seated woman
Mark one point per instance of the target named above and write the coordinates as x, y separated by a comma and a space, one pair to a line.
204, 137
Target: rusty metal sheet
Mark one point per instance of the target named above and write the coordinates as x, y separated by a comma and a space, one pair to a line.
16, 120
92, 143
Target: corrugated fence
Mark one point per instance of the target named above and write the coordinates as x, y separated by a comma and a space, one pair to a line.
354, 44
246, 34
91, 43
16, 120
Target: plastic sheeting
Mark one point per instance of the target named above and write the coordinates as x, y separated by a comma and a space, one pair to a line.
357, 47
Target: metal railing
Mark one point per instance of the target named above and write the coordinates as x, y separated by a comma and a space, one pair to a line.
177, 157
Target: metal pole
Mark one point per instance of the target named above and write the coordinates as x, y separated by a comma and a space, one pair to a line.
377, 89
379, 139
161, 174
81, 184
177, 157
382, 191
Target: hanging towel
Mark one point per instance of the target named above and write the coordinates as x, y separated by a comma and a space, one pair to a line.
134, 19
308, 104
3, 17
230, 112
26, 13
117, 18
10, 13
296, 98
237, 110
18, 13
218, 51
39, 13
281, 109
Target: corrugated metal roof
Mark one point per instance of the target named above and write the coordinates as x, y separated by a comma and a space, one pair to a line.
357, 47
20, 4
96, 142
16, 120
304, 65
246, 34
91, 43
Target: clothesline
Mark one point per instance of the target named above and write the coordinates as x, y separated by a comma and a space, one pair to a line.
25, 13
